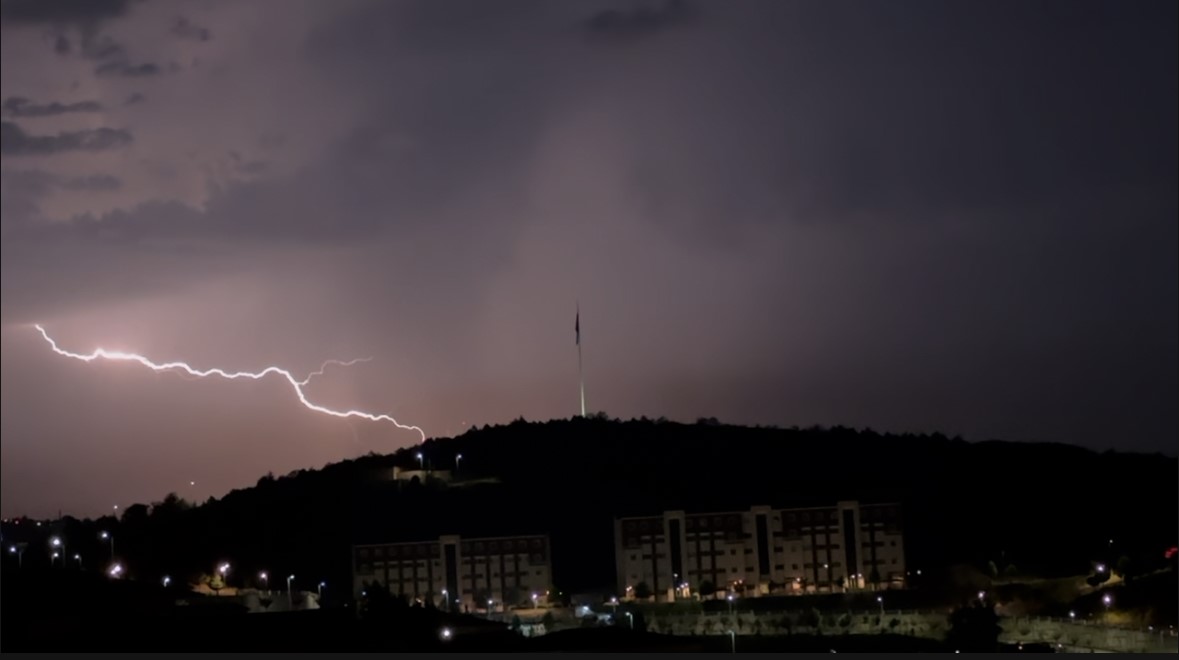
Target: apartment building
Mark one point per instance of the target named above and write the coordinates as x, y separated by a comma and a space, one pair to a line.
455, 572
761, 551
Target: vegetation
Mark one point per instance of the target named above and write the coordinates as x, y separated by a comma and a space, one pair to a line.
962, 502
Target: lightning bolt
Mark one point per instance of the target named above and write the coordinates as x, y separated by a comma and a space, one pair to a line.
296, 384
323, 367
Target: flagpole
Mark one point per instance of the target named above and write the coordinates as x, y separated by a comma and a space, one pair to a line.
581, 378
580, 372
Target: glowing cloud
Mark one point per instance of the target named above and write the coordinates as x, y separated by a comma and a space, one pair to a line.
296, 384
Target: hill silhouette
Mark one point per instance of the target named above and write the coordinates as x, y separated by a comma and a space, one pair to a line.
1047, 509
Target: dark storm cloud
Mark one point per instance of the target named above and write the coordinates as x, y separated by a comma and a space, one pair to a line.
915, 216
94, 182
126, 69
641, 20
186, 29
16, 142
15, 106
61, 11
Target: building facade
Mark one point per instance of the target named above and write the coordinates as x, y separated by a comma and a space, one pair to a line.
761, 551
457, 572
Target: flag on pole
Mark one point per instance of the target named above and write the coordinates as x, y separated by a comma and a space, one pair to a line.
577, 326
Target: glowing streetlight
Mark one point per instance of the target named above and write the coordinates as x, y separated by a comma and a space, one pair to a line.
489, 604
18, 550
421, 461
265, 580
107, 536
880, 601
290, 600
167, 581
982, 595
445, 634
1107, 600
446, 599
58, 546
733, 641
457, 458
319, 589
1072, 615
534, 599
78, 558
1101, 568
730, 599
630, 617
116, 570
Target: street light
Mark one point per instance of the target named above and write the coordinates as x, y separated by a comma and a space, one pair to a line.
1107, 600
78, 558
445, 634
880, 600
116, 570
730, 599
421, 461
290, 600
446, 599
534, 599
167, 581
1101, 568
982, 596
58, 549
1072, 615
457, 458
265, 580
489, 604
19, 551
319, 589
107, 536
733, 641
630, 617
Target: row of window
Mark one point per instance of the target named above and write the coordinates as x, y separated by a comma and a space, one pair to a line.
369, 569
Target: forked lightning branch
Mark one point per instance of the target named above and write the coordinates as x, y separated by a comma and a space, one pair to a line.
296, 384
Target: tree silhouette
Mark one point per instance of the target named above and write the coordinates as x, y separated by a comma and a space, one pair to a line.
707, 588
642, 591
974, 628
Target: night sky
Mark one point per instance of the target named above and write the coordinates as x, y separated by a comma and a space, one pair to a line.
913, 216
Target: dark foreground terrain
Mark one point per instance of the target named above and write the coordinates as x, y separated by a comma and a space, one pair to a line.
76, 612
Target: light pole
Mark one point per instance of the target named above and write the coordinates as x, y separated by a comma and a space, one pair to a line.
1072, 615
534, 599
457, 458
421, 461
733, 641
319, 589
265, 580
446, 599
116, 570
167, 581
730, 599
19, 551
107, 536
58, 548
290, 600
78, 558
631, 618
1107, 600
489, 604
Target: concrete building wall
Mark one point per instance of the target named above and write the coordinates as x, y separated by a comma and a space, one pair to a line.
457, 572
762, 550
